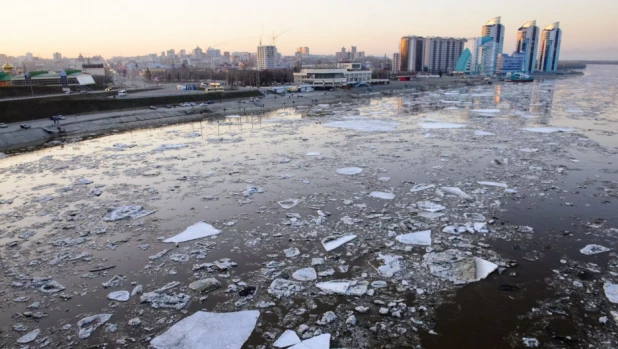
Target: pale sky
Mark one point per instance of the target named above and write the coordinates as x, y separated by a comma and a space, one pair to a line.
138, 27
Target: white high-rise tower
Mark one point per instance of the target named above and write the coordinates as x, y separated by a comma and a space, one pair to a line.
550, 48
495, 30
528, 43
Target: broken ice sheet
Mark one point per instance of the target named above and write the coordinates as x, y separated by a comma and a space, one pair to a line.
349, 171
594, 249
416, 238
344, 287
456, 266
287, 338
305, 274
391, 266
611, 292
89, 324
123, 212
196, 231
382, 195
289, 203
429, 206
332, 242
207, 330
364, 125
318, 342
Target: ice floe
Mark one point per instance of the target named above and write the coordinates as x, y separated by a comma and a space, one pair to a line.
457, 267
382, 195
440, 125
594, 249
364, 125
547, 129
416, 238
196, 231
349, 171
332, 242
287, 338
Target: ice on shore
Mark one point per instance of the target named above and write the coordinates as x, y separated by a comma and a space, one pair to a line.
287, 338
349, 171
439, 125
457, 267
196, 231
594, 249
382, 195
416, 238
547, 129
208, 330
364, 125
332, 242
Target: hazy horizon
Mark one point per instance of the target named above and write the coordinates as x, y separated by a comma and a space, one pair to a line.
139, 27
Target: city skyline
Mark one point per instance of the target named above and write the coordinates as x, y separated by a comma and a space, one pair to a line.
138, 28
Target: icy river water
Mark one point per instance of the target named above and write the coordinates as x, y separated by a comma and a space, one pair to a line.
478, 217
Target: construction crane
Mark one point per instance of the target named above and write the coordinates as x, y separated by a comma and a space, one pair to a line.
278, 35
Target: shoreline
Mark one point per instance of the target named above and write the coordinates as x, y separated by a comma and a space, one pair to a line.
14, 139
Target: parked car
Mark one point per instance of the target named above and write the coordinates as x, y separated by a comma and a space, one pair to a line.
152, 107
3, 125
168, 105
24, 126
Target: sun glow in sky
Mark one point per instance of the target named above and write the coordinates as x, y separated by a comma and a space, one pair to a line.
139, 27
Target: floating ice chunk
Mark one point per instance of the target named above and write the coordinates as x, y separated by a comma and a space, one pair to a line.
416, 238
85, 181
456, 266
120, 296
420, 187
159, 299
318, 342
611, 292
207, 330
594, 249
349, 220
485, 111
344, 287
429, 206
475, 217
480, 227
289, 203
528, 150
530, 342
483, 133
440, 125
313, 153
89, 324
391, 266
291, 252
547, 129
163, 147
349, 171
251, 189
305, 274
456, 229
332, 242
29, 337
382, 195
287, 338
384, 179
493, 184
367, 125
196, 231
233, 116
284, 288
430, 215
456, 191
123, 212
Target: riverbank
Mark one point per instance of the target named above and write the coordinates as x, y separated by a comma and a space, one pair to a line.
13, 138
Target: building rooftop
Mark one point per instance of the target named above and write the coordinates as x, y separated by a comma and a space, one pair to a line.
529, 24
553, 26
493, 21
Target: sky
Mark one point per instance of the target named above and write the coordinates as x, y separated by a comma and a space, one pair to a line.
139, 27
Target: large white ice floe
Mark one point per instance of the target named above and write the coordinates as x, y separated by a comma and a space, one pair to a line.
456, 191
547, 129
318, 342
391, 265
365, 125
440, 125
382, 195
344, 287
493, 184
305, 274
416, 238
332, 242
350, 171
611, 292
207, 330
456, 266
287, 338
124, 212
196, 231
594, 249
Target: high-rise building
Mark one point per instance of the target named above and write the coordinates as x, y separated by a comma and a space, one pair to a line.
303, 51
495, 30
527, 43
266, 57
396, 67
29, 56
171, 53
550, 48
411, 49
478, 57
213, 53
353, 52
198, 53
57, 56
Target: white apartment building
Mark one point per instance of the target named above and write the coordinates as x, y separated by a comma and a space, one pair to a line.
396, 62
527, 43
266, 57
495, 30
549, 55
